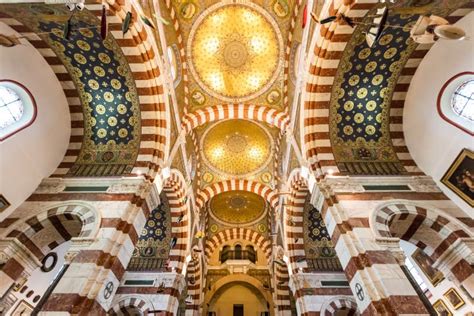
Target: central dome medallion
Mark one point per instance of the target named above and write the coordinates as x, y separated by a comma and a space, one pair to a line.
235, 51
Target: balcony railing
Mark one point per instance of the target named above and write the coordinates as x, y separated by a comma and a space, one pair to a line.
238, 255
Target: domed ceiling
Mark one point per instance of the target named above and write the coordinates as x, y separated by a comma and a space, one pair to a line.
236, 147
228, 61
237, 207
228, 58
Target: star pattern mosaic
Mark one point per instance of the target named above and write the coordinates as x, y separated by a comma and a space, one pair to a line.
367, 75
319, 249
153, 246
362, 94
104, 83
106, 88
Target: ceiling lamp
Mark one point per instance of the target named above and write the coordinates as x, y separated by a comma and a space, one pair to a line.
429, 29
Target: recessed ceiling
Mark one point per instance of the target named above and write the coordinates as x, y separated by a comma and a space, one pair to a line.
237, 207
237, 147
228, 58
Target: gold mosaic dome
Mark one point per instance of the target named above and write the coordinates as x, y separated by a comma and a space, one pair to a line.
237, 207
228, 58
236, 147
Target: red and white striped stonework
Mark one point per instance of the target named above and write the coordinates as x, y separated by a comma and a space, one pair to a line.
326, 49
438, 235
235, 111
293, 223
238, 233
39, 234
194, 287
105, 228
142, 60
130, 306
400, 92
340, 304
368, 261
175, 190
182, 52
282, 290
264, 191
289, 44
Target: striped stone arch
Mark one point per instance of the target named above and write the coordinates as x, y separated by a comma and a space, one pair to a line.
264, 191
436, 233
326, 48
403, 84
154, 143
194, 283
235, 111
175, 190
340, 303
129, 306
257, 239
139, 47
293, 218
282, 289
65, 221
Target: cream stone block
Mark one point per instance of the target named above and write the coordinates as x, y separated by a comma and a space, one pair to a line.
76, 278
343, 252
366, 238
391, 279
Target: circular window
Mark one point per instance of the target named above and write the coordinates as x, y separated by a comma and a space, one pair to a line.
463, 100
17, 108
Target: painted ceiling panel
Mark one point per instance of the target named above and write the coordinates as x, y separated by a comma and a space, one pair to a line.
365, 85
104, 83
153, 246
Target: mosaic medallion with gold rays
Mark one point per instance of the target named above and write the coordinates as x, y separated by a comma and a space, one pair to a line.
235, 51
237, 207
236, 147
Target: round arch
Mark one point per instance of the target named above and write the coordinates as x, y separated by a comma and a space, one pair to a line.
236, 184
240, 278
235, 111
175, 191
340, 303
88, 215
442, 237
297, 187
124, 305
231, 234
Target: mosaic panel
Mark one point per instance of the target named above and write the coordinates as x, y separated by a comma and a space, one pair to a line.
319, 249
153, 246
364, 86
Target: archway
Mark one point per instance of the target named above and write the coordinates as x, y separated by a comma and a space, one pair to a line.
440, 239
38, 247
340, 306
238, 284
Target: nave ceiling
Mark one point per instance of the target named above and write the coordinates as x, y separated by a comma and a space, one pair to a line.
226, 102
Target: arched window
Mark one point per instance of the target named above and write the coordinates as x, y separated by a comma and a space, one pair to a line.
238, 252
456, 101
463, 100
17, 108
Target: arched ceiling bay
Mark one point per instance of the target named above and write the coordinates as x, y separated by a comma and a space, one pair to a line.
361, 123
104, 82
